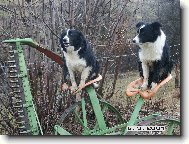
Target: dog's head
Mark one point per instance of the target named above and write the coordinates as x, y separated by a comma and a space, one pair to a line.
147, 32
72, 39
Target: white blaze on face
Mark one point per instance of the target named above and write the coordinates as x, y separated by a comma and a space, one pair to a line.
141, 27
66, 36
136, 39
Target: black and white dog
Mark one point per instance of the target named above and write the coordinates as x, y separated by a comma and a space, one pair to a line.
154, 54
78, 57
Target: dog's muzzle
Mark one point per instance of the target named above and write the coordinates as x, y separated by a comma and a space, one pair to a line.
136, 40
66, 42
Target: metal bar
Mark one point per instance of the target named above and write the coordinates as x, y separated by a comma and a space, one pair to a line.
106, 105
135, 113
112, 108
32, 115
147, 118
78, 118
109, 130
96, 125
86, 129
28, 41
60, 130
159, 119
170, 128
84, 113
96, 107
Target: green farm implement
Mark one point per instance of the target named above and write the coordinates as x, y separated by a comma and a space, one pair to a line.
27, 117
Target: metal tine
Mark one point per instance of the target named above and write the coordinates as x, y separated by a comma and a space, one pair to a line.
11, 55
12, 66
11, 61
18, 106
14, 81
15, 76
20, 122
18, 101
11, 51
21, 116
24, 132
22, 127
13, 71
16, 86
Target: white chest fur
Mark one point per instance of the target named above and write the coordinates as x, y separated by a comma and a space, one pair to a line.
74, 62
152, 51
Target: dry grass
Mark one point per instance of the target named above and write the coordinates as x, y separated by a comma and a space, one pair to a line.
168, 92
166, 100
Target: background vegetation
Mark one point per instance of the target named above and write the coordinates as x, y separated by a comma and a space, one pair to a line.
109, 25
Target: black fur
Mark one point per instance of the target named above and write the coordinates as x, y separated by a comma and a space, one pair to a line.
78, 40
149, 33
158, 69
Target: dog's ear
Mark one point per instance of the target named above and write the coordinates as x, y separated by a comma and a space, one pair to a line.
82, 40
138, 25
156, 25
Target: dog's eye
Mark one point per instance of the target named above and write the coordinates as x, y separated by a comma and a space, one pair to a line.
141, 30
70, 32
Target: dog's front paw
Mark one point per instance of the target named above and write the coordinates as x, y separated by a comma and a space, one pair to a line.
96, 85
73, 88
144, 86
153, 85
64, 87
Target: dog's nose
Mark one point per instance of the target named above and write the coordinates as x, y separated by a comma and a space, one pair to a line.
134, 41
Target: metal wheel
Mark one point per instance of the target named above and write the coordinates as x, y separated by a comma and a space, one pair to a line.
171, 125
85, 122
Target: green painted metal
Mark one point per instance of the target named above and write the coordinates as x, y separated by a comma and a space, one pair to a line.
25, 41
170, 128
109, 130
176, 122
84, 112
35, 128
96, 107
115, 130
78, 118
105, 105
60, 130
135, 113
32, 115
147, 118
113, 109
100, 128
86, 130
28, 41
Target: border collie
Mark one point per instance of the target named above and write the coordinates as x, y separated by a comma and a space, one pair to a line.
154, 54
78, 57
